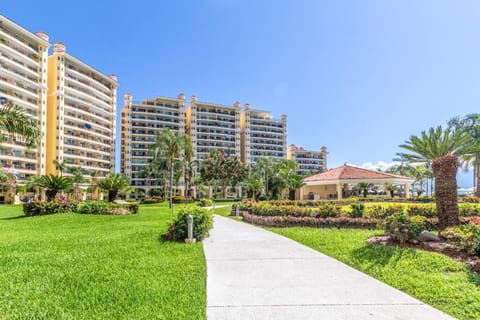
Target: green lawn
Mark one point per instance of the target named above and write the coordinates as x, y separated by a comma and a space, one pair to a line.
432, 278
67, 266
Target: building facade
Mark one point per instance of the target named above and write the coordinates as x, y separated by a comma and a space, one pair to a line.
308, 162
140, 123
262, 135
213, 127
81, 115
23, 82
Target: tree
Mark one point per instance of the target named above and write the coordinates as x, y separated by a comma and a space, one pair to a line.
53, 184
60, 166
391, 188
16, 122
263, 167
170, 147
77, 178
443, 149
364, 187
470, 124
114, 183
223, 170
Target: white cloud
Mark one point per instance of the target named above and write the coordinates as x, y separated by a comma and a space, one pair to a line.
379, 165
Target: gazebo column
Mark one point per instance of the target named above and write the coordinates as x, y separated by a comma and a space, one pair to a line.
406, 189
339, 191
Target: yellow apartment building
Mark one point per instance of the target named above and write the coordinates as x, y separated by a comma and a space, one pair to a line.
23, 81
262, 135
308, 162
81, 115
140, 122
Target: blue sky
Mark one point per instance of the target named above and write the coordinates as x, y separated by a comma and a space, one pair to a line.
356, 76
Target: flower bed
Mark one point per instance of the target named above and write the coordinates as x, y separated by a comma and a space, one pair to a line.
89, 207
306, 221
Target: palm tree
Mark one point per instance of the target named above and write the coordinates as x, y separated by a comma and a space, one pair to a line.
53, 184
77, 178
170, 146
93, 174
443, 149
15, 121
364, 186
471, 125
114, 183
60, 166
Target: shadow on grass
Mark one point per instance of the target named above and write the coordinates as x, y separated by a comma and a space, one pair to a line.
14, 218
474, 279
380, 255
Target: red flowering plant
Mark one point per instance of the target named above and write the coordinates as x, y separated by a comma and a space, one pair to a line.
403, 228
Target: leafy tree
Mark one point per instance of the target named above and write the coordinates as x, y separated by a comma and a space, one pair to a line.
470, 124
443, 149
53, 184
391, 188
223, 170
114, 183
16, 122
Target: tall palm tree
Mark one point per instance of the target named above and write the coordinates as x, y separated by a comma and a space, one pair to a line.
364, 186
60, 166
170, 145
470, 124
443, 149
53, 184
15, 121
77, 178
114, 183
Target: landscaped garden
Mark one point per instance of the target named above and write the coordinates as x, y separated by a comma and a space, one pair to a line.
82, 266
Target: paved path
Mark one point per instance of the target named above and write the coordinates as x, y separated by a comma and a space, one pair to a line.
256, 274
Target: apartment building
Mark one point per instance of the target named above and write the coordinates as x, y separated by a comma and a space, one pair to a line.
140, 123
308, 161
213, 127
23, 82
81, 115
262, 135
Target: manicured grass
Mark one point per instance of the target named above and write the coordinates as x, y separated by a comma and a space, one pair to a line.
430, 277
73, 266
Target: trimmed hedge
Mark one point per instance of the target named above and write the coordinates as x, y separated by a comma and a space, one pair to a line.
38, 208
293, 221
152, 200
205, 202
107, 208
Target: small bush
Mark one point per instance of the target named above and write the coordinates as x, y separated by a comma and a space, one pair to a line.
202, 223
403, 228
205, 202
108, 208
465, 237
358, 210
43, 208
152, 200
179, 199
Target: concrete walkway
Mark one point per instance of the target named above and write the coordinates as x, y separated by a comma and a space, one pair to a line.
256, 274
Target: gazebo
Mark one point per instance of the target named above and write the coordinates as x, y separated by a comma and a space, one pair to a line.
334, 182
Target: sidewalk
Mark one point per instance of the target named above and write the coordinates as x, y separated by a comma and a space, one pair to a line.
256, 274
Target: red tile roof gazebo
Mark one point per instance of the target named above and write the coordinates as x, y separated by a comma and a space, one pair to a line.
345, 175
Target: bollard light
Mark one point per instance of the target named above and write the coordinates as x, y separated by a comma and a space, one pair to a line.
237, 210
190, 238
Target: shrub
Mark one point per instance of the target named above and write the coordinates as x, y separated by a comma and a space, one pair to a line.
465, 237
428, 211
43, 208
202, 223
151, 200
358, 210
327, 209
468, 209
205, 202
104, 207
403, 228
179, 199
392, 210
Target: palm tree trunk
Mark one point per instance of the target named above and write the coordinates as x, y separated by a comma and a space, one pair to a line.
477, 177
445, 172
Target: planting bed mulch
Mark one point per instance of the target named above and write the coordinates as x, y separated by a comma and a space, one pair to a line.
440, 247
